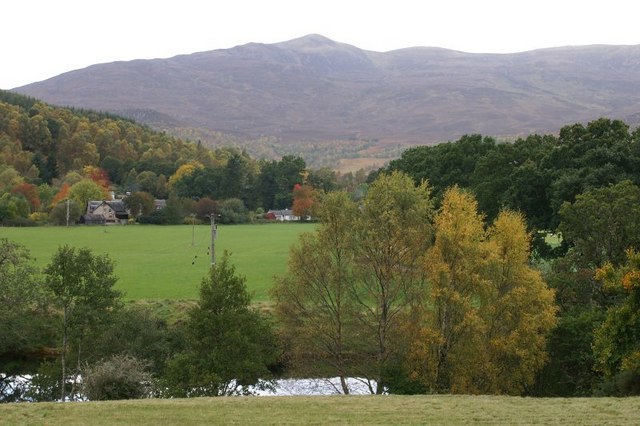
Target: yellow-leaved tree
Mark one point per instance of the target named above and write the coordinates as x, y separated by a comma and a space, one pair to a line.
184, 171
519, 311
487, 313
456, 268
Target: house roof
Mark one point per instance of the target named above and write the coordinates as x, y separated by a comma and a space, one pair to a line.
285, 212
116, 205
92, 205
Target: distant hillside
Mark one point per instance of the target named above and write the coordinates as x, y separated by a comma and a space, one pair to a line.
313, 89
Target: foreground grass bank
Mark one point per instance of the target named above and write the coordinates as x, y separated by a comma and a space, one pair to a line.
444, 409
168, 262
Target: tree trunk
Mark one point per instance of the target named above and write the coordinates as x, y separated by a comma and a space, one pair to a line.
382, 339
77, 373
343, 383
63, 355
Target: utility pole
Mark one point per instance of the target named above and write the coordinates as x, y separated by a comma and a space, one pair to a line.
193, 226
67, 212
214, 232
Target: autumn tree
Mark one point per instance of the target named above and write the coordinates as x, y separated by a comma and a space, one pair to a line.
99, 176
392, 232
519, 311
81, 285
303, 200
488, 313
85, 191
78, 150
184, 171
455, 267
359, 275
616, 344
35, 134
62, 194
30, 193
314, 300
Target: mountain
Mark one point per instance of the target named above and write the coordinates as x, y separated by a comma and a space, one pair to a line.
313, 89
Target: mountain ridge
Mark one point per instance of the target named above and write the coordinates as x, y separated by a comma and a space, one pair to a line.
315, 89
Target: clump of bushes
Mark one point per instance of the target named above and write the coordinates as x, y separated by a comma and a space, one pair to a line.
119, 377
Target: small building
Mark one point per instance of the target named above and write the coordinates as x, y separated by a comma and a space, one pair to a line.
159, 204
111, 212
282, 215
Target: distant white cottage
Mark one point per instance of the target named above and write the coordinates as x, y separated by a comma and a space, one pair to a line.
282, 215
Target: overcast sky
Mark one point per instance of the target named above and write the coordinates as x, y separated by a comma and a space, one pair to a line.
44, 38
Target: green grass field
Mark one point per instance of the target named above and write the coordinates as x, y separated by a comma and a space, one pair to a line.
160, 262
387, 410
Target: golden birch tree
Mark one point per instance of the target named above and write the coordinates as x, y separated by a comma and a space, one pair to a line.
488, 313
519, 311
455, 267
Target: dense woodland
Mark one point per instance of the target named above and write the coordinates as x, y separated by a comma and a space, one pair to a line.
466, 267
50, 154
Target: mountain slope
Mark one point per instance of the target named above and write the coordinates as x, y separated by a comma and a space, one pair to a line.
315, 89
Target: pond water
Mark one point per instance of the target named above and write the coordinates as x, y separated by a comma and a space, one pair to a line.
283, 387
323, 386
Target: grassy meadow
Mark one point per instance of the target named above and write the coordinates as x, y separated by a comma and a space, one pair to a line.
438, 409
160, 262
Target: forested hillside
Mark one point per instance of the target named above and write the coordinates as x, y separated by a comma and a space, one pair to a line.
49, 154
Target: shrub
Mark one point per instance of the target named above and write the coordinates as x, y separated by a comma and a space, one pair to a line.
233, 210
39, 217
119, 377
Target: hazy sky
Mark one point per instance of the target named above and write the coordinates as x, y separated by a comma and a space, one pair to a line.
44, 38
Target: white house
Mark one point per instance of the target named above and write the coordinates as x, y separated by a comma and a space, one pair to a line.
282, 215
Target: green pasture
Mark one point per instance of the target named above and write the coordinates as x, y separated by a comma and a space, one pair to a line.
382, 410
168, 262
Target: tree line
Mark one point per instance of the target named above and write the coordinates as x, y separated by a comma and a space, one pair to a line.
390, 291
415, 299
404, 295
